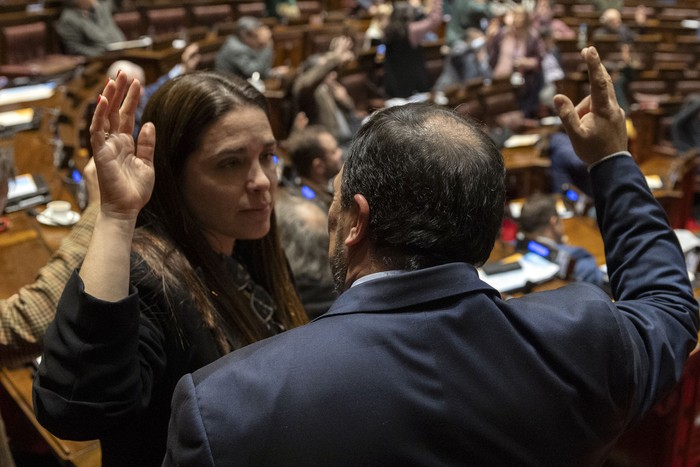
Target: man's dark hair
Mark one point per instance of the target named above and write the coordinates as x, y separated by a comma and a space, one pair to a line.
435, 184
303, 147
536, 213
247, 24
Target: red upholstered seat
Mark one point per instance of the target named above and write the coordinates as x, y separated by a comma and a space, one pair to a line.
26, 52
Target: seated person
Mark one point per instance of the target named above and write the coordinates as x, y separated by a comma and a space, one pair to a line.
86, 27
25, 316
316, 159
540, 221
303, 227
248, 51
318, 93
611, 25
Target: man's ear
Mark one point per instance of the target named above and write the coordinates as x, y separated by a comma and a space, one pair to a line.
359, 228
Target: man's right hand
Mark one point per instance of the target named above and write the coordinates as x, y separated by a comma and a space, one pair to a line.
596, 126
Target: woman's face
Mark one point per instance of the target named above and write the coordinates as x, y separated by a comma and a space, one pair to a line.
230, 180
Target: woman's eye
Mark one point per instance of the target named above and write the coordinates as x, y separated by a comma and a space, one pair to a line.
268, 158
230, 163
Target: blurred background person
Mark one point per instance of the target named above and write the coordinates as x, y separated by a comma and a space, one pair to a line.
249, 50
611, 25
467, 59
405, 72
465, 15
515, 52
317, 92
86, 27
374, 35
316, 159
540, 221
542, 18
25, 316
303, 229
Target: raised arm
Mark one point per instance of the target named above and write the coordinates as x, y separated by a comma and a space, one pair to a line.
658, 313
126, 178
596, 126
418, 29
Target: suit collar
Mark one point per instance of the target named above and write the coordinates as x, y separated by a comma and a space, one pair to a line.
410, 289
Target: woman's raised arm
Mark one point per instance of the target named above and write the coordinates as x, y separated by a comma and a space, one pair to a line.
126, 176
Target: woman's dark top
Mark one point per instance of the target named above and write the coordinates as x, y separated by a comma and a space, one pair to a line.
109, 369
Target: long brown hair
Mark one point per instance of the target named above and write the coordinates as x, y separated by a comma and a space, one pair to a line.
169, 239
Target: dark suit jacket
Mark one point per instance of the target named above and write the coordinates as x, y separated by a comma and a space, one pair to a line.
431, 367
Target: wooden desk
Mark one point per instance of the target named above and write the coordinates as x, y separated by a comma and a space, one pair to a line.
581, 231
23, 250
17, 385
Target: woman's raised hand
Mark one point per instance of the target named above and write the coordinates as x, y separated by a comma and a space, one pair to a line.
124, 169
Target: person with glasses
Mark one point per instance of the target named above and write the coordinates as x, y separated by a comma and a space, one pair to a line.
204, 274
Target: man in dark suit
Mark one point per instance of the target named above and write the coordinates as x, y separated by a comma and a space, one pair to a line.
418, 362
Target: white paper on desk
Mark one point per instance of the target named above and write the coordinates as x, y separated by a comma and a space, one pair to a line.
688, 240
144, 41
416, 98
29, 93
519, 141
534, 269
550, 121
16, 117
516, 206
654, 182
21, 185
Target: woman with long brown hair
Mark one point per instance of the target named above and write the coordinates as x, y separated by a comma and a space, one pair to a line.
207, 274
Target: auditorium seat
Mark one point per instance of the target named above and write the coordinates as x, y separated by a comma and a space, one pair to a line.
255, 9
210, 15
161, 21
669, 435
130, 23
25, 51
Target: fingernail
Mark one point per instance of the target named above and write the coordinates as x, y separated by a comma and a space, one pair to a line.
108, 80
594, 52
118, 72
99, 96
557, 104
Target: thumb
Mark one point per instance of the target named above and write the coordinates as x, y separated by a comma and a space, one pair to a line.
567, 113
